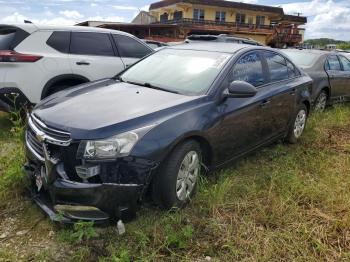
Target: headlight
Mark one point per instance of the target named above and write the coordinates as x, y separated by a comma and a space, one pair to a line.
113, 147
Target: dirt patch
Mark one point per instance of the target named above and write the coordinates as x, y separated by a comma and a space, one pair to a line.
336, 139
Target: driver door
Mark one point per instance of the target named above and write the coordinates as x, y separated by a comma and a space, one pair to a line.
240, 116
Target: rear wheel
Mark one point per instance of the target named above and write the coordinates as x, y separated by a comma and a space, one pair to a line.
298, 125
176, 180
321, 101
62, 85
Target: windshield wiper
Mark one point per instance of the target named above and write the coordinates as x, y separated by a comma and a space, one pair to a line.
160, 88
148, 85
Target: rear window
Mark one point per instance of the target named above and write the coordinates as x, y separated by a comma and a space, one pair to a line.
277, 65
302, 58
129, 47
60, 41
10, 37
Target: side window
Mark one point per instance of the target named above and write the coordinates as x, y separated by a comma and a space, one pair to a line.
333, 63
277, 65
326, 66
98, 44
59, 41
249, 68
129, 47
345, 62
292, 70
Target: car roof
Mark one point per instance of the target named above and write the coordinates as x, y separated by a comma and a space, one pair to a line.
310, 51
30, 28
213, 47
223, 36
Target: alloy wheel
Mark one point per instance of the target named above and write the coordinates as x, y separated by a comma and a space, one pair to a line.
300, 123
187, 175
321, 102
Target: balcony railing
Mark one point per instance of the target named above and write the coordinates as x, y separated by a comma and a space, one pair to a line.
195, 22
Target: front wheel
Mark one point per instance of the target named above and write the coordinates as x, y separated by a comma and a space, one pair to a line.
298, 125
176, 180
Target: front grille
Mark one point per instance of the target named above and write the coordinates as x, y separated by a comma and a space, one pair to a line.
38, 133
34, 144
50, 132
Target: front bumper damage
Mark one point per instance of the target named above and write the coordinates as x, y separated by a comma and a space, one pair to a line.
69, 189
67, 201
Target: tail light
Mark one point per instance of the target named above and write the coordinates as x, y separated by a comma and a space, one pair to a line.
12, 56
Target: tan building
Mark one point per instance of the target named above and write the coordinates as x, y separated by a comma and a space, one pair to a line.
174, 20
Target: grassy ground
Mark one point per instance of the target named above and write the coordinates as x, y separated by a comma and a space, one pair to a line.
286, 202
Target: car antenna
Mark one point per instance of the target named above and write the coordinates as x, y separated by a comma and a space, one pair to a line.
28, 22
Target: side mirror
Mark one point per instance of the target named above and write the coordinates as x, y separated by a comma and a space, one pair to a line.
241, 89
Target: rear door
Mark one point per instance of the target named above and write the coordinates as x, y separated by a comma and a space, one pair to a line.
277, 97
92, 55
130, 49
345, 90
335, 75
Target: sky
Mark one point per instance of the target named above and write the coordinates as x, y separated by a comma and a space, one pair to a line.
326, 18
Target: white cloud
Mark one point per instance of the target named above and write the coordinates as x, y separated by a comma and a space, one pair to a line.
71, 14
19, 18
107, 19
125, 7
249, 1
145, 8
326, 18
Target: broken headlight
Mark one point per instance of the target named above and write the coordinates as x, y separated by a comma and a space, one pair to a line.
113, 147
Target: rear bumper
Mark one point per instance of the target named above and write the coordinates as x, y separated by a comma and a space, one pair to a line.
68, 202
12, 99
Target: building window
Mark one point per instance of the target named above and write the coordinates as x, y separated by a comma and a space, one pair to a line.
198, 14
178, 15
260, 20
250, 20
164, 17
240, 18
220, 16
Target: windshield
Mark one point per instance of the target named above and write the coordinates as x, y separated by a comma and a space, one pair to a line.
301, 58
186, 72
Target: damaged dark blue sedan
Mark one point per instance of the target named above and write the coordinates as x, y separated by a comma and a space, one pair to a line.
94, 151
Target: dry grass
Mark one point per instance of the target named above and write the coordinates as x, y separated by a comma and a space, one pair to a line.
286, 202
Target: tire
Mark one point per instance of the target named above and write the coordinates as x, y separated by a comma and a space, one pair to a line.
298, 124
62, 86
56, 89
174, 175
321, 102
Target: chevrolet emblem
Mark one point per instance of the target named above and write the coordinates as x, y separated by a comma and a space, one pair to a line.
40, 137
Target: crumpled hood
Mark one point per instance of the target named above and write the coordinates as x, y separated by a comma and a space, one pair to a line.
95, 110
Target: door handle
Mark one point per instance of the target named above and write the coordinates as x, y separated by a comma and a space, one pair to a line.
265, 103
82, 63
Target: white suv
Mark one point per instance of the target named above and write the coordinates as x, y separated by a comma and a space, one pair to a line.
36, 61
